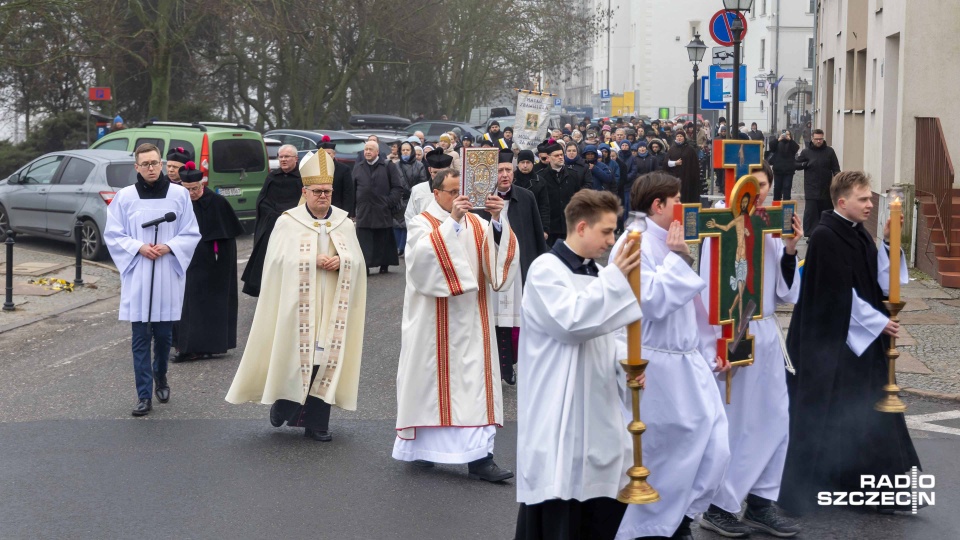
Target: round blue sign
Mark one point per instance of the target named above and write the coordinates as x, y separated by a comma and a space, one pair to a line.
720, 26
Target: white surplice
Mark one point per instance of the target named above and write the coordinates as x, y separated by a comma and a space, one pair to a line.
685, 446
124, 236
507, 310
758, 417
572, 441
420, 198
448, 378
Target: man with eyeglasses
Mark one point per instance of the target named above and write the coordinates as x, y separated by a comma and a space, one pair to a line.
819, 164
449, 398
280, 192
152, 271
208, 322
305, 344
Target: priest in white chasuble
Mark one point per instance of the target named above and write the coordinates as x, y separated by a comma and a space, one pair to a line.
449, 402
305, 344
757, 415
573, 449
685, 446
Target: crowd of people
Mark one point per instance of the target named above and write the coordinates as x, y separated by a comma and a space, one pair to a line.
513, 294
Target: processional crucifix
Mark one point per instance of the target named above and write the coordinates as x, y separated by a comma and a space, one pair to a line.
737, 249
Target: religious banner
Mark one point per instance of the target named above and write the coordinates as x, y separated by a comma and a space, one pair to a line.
736, 277
478, 174
530, 123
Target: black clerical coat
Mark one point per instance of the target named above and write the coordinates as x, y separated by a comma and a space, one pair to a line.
280, 192
344, 193
535, 185
560, 187
208, 321
835, 433
523, 216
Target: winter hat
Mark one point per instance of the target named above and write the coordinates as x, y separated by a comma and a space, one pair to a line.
589, 149
118, 120
525, 155
446, 138
605, 128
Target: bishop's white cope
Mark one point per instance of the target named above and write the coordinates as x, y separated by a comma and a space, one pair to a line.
448, 378
124, 236
572, 441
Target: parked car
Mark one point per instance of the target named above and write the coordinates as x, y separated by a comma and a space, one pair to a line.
273, 147
432, 129
686, 117
232, 156
385, 135
377, 121
553, 122
349, 144
47, 196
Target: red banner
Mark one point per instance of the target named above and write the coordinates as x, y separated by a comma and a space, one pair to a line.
100, 93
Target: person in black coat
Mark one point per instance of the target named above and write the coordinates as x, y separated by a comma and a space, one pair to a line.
560, 186
526, 177
523, 218
208, 321
836, 435
575, 165
684, 163
783, 154
281, 191
343, 191
378, 191
819, 164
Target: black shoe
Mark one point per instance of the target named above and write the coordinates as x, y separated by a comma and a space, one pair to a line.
384, 269
724, 523
322, 436
163, 389
486, 469
766, 519
142, 408
276, 419
423, 464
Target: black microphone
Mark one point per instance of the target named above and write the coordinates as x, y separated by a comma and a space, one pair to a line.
168, 217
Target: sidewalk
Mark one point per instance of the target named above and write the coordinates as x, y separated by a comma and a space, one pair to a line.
37, 302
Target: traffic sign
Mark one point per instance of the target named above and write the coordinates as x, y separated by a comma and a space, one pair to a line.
721, 84
705, 103
664, 113
720, 26
99, 93
605, 94
557, 102
722, 56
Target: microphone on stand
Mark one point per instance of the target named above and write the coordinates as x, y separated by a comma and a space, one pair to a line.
168, 217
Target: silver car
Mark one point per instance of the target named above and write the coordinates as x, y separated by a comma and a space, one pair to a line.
47, 196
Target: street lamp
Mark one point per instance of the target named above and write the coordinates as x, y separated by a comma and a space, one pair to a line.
771, 80
695, 50
737, 29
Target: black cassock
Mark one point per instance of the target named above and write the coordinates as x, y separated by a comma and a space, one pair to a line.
835, 433
280, 192
208, 322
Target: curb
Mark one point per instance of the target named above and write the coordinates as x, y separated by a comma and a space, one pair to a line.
61, 311
929, 394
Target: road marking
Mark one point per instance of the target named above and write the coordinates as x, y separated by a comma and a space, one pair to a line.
102, 347
924, 422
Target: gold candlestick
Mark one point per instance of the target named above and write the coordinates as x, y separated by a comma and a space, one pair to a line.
891, 402
637, 490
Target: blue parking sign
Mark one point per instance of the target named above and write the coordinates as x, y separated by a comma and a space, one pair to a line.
557, 102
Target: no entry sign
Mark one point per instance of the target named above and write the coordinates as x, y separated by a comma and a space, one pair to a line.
720, 26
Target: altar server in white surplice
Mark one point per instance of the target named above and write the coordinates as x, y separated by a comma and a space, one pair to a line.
758, 416
140, 260
573, 448
449, 402
685, 445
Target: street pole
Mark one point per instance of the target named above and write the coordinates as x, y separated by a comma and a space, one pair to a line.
696, 81
608, 53
88, 121
776, 70
737, 30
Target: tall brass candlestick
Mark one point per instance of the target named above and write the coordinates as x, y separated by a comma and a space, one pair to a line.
891, 401
637, 490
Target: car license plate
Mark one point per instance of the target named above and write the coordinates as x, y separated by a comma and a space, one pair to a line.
230, 192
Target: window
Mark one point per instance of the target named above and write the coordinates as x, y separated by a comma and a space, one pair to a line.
75, 172
810, 50
43, 170
114, 144
763, 53
121, 175
178, 143
154, 141
763, 7
812, 7
234, 155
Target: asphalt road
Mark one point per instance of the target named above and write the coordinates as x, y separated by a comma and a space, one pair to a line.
75, 464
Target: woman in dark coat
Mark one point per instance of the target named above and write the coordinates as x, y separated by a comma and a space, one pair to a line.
412, 172
783, 159
682, 161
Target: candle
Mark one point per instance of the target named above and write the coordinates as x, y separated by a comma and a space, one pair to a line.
633, 329
895, 213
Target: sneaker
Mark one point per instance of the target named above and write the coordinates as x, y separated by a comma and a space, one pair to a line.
766, 519
724, 523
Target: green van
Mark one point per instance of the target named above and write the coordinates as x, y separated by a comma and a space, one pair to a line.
232, 156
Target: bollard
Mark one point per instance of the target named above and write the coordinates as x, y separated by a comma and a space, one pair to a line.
8, 303
78, 233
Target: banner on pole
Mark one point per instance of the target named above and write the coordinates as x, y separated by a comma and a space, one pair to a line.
530, 124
